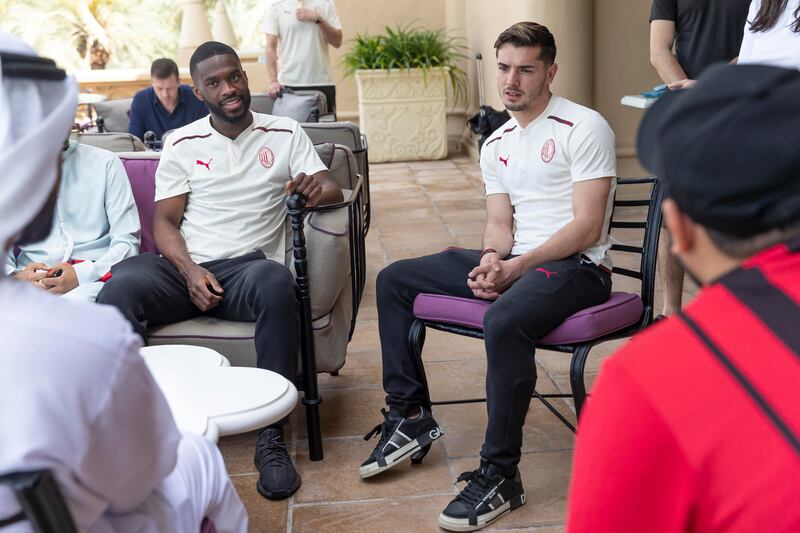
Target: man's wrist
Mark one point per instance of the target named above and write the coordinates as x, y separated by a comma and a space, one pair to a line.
489, 250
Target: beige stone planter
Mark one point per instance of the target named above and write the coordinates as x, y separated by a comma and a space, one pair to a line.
402, 113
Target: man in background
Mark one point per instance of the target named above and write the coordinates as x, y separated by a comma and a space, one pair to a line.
702, 32
166, 105
305, 29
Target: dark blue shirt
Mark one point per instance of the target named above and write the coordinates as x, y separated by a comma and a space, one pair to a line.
147, 113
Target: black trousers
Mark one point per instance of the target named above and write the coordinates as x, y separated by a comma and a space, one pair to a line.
533, 306
328, 90
150, 291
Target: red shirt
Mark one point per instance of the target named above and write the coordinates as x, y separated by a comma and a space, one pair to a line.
672, 441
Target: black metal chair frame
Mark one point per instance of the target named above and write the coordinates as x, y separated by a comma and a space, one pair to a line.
308, 382
42, 503
580, 351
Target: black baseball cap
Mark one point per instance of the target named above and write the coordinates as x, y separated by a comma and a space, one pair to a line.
728, 149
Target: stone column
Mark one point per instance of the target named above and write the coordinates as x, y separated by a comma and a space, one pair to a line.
194, 30
222, 30
572, 25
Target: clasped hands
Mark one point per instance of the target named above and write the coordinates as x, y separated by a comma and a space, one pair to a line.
493, 276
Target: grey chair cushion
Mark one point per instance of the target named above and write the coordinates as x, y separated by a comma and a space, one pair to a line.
114, 142
263, 103
302, 108
115, 113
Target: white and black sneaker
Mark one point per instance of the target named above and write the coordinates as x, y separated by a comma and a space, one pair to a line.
487, 497
401, 438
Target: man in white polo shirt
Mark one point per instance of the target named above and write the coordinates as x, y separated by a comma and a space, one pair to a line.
304, 28
220, 224
550, 171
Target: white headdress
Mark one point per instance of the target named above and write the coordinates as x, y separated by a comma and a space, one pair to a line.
35, 119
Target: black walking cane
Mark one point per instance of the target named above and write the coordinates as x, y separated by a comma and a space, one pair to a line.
296, 204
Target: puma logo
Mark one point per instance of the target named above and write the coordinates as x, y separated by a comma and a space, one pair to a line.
207, 165
546, 272
504, 161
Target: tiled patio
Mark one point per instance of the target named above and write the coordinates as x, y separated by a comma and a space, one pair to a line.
418, 208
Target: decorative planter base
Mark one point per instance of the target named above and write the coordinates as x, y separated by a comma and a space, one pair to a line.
403, 114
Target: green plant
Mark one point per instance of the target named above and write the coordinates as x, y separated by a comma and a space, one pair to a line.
407, 48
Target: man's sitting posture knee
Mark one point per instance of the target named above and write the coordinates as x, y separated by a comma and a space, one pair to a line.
550, 172
219, 224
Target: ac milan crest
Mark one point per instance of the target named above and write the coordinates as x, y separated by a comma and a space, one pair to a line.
548, 151
266, 157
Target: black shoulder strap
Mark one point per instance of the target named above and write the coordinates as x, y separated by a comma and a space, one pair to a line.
748, 387
774, 307
778, 312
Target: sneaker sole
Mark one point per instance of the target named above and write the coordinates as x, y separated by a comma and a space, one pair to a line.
462, 524
396, 457
278, 494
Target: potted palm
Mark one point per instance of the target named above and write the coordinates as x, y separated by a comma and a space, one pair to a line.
402, 79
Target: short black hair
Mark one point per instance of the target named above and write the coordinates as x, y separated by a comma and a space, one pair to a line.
163, 67
209, 49
529, 34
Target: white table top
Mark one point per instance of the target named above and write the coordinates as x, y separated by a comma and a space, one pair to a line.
209, 397
638, 101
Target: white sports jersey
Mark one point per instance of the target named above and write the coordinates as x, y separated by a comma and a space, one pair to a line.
303, 50
537, 166
236, 186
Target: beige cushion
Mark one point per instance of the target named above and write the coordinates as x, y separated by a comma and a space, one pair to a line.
263, 103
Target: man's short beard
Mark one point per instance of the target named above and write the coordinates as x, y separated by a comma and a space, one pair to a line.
518, 107
220, 113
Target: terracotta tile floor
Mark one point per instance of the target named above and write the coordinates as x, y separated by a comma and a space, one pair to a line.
418, 208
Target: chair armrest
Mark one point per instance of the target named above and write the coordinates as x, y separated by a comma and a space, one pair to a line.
355, 194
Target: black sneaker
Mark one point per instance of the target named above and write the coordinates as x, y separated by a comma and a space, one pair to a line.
277, 477
400, 438
487, 497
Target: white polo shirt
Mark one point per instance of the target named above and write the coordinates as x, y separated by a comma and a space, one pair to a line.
538, 165
303, 51
236, 187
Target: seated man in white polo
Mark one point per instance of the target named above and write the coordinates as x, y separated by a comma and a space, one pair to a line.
77, 398
219, 222
550, 173
96, 225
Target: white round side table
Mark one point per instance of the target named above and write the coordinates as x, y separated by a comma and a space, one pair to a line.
209, 397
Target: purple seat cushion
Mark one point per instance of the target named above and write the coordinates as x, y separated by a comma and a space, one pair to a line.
142, 175
620, 311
